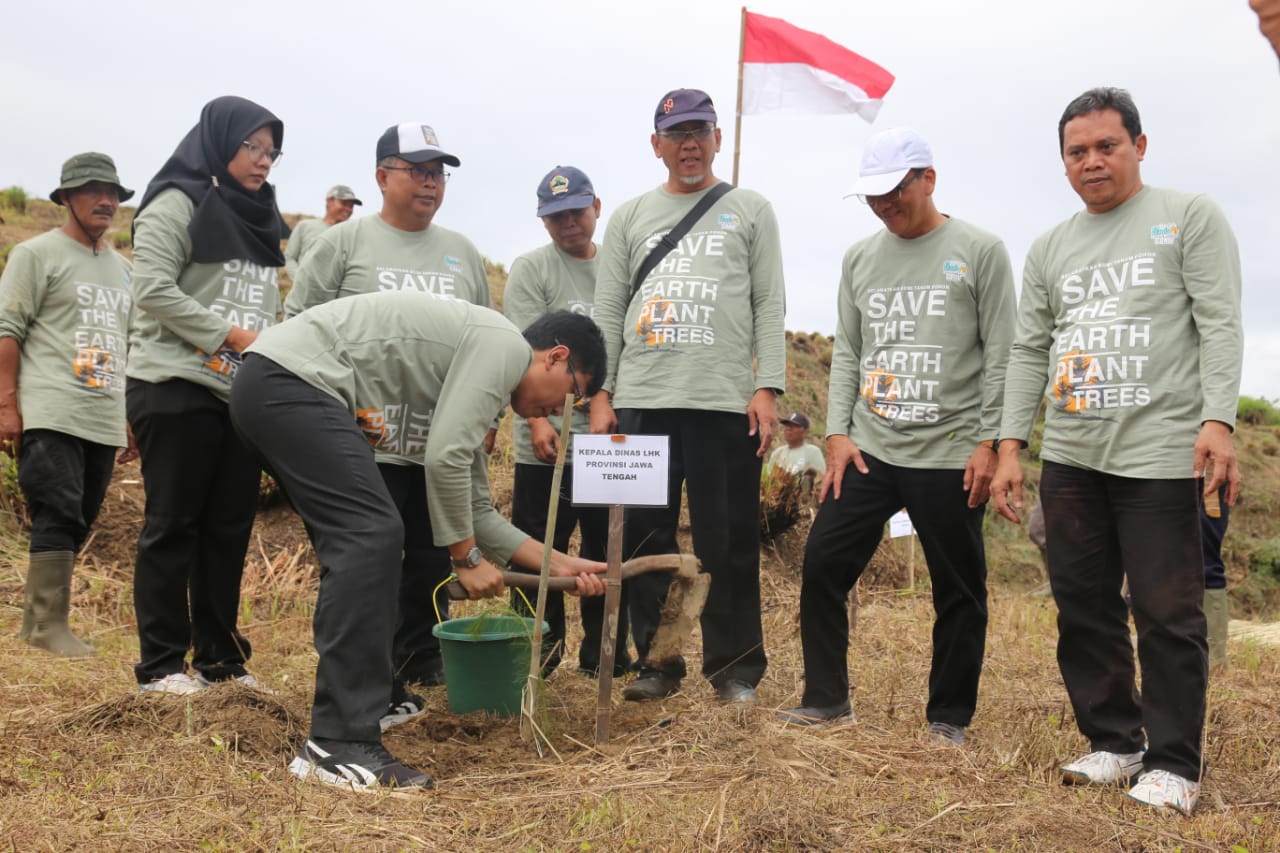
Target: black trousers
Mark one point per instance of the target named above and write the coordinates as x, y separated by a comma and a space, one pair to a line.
311, 443
530, 501
202, 493
844, 537
715, 460
1101, 527
416, 652
1212, 532
63, 479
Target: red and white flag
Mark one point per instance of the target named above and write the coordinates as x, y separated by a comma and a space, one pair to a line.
787, 69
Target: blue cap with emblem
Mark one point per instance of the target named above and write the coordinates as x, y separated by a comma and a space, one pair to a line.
564, 188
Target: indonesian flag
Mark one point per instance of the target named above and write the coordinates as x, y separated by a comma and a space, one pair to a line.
787, 69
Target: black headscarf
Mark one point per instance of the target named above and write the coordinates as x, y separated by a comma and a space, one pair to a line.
230, 221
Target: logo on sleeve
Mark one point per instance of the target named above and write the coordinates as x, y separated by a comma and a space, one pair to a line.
452, 263
730, 221
954, 270
1164, 234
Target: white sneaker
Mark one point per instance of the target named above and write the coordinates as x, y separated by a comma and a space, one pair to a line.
247, 680
175, 684
1164, 790
1103, 768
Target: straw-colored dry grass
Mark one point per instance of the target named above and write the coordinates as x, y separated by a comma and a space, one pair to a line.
88, 763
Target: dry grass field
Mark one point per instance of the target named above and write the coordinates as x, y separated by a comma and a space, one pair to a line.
88, 763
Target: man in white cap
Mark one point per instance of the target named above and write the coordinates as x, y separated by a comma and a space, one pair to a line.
560, 276
401, 248
797, 456
697, 352
65, 305
925, 318
339, 203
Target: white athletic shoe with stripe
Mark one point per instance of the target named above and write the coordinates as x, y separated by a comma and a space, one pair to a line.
355, 765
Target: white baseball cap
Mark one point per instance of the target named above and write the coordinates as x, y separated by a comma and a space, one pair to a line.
888, 157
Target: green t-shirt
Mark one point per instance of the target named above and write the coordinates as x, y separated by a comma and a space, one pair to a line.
69, 311
186, 310
797, 460
366, 255
704, 316
1131, 319
302, 240
545, 280
923, 334
422, 376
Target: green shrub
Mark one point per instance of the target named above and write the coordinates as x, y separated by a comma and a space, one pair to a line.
1265, 559
122, 239
1257, 411
14, 198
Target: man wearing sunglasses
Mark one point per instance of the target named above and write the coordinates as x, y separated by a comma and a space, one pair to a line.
697, 353
560, 275
401, 248
925, 319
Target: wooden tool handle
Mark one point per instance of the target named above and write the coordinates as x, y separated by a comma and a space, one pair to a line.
681, 564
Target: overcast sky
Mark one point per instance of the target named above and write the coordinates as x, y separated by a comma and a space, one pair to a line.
516, 88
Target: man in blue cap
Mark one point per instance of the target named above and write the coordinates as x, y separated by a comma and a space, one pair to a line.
560, 275
696, 352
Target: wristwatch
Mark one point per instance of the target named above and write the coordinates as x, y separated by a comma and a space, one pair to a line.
470, 561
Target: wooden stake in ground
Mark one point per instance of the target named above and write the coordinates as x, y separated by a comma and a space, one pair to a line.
609, 631
529, 697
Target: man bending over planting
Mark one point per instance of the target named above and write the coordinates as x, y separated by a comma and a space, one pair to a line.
406, 373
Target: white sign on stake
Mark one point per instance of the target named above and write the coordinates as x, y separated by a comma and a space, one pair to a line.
899, 523
625, 470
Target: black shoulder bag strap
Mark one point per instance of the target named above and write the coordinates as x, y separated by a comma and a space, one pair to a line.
673, 237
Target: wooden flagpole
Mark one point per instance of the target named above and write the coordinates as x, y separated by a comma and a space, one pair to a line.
737, 114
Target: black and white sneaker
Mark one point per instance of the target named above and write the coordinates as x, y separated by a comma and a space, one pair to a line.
356, 766
403, 708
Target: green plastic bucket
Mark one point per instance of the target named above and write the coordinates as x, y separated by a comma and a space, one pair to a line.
486, 662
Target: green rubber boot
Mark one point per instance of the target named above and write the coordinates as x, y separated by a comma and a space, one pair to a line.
1215, 613
47, 603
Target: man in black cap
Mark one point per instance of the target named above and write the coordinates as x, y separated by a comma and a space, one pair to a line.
697, 352
65, 305
339, 203
401, 248
797, 456
560, 275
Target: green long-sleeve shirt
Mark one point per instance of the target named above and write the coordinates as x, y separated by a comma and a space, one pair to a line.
541, 281
301, 241
366, 255
186, 310
69, 311
924, 328
705, 330
422, 376
1132, 319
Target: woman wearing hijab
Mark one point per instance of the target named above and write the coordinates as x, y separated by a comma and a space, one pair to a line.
206, 253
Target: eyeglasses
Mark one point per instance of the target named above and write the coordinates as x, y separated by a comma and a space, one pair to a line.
257, 152
421, 173
894, 194
579, 399
682, 136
